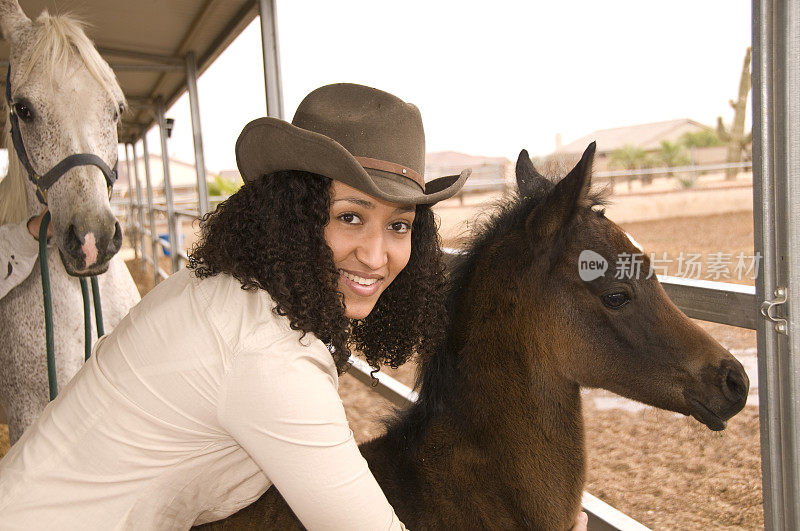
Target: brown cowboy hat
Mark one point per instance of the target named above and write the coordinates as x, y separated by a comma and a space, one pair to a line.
361, 136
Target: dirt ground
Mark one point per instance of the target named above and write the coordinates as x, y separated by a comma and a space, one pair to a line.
662, 469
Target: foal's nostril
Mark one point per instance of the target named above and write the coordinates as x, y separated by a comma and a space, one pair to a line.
733, 386
73, 242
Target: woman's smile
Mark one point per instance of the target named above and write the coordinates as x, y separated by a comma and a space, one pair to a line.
362, 284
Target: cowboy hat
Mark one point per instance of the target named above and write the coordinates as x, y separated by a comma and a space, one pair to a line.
361, 136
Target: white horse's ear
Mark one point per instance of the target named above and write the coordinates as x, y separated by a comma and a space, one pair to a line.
12, 19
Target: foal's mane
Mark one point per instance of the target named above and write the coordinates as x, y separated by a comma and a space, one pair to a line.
439, 375
57, 39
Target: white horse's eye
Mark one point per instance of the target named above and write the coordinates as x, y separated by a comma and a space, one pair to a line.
118, 112
23, 110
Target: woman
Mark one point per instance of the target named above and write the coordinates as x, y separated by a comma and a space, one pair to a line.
19, 249
223, 379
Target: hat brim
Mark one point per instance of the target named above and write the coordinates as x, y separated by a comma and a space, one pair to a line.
267, 145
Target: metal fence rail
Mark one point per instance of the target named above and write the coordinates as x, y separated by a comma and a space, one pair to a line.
718, 302
673, 169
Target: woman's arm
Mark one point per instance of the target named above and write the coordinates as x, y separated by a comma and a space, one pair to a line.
282, 407
18, 252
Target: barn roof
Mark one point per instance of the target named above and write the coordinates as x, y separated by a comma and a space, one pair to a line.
147, 41
646, 136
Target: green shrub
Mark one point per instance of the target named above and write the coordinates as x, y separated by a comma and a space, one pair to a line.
700, 139
219, 186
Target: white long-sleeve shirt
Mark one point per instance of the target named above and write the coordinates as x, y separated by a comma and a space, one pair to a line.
18, 253
198, 401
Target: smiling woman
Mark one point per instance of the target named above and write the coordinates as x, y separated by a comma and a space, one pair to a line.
371, 244
223, 380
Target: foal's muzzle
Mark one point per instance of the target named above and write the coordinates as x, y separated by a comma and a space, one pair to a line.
722, 395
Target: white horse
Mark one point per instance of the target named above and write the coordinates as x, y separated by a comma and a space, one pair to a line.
68, 101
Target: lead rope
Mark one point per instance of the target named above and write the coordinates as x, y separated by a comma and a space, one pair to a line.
48, 306
48, 310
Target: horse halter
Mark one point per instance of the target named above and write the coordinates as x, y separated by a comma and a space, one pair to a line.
44, 182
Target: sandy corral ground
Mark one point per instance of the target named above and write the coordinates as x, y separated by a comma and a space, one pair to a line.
665, 470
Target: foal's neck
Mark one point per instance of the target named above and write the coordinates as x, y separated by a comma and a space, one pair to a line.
523, 417
517, 391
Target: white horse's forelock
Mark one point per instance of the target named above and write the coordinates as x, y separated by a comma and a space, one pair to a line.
57, 39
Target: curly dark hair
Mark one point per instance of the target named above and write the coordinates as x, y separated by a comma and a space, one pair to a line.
270, 235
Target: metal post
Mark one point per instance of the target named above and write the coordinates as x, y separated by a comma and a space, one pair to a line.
172, 229
139, 212
199, 160
131, 218
150, 211
272, 66
776, 192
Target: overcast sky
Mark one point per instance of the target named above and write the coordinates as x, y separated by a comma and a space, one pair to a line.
491, 77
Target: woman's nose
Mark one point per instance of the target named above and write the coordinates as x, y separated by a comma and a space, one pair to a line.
372, 251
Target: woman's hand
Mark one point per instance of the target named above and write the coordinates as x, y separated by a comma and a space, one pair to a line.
35, 222
581, 522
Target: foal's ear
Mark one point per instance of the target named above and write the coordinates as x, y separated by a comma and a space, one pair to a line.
571, 193
526, 173
12, 19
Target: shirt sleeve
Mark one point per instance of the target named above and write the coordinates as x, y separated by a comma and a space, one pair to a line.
281, 405
18, 253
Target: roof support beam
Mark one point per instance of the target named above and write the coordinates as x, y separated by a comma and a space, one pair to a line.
150, 212
272, 67
197, 134
132, 67
172, 227
142, 56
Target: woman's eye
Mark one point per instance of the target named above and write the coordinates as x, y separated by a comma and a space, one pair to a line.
400, 227
349, 217
23, 111
616, 300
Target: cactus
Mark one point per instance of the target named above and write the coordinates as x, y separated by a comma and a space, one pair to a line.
736, 139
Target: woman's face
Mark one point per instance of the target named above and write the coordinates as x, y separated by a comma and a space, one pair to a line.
371, 243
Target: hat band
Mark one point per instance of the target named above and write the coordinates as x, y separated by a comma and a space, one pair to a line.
391, 167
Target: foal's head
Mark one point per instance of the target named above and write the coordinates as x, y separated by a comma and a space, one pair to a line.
591, 318
67, 101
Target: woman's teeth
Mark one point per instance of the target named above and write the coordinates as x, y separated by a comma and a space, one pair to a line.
359, 280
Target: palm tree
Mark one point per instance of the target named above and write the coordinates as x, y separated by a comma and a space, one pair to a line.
672, 154
630, 157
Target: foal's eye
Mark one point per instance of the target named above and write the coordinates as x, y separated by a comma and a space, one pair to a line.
616, 300
24, 112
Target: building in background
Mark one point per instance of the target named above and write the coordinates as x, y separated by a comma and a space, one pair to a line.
183, 176
647, 137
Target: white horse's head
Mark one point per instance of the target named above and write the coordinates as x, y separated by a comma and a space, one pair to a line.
68, 101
